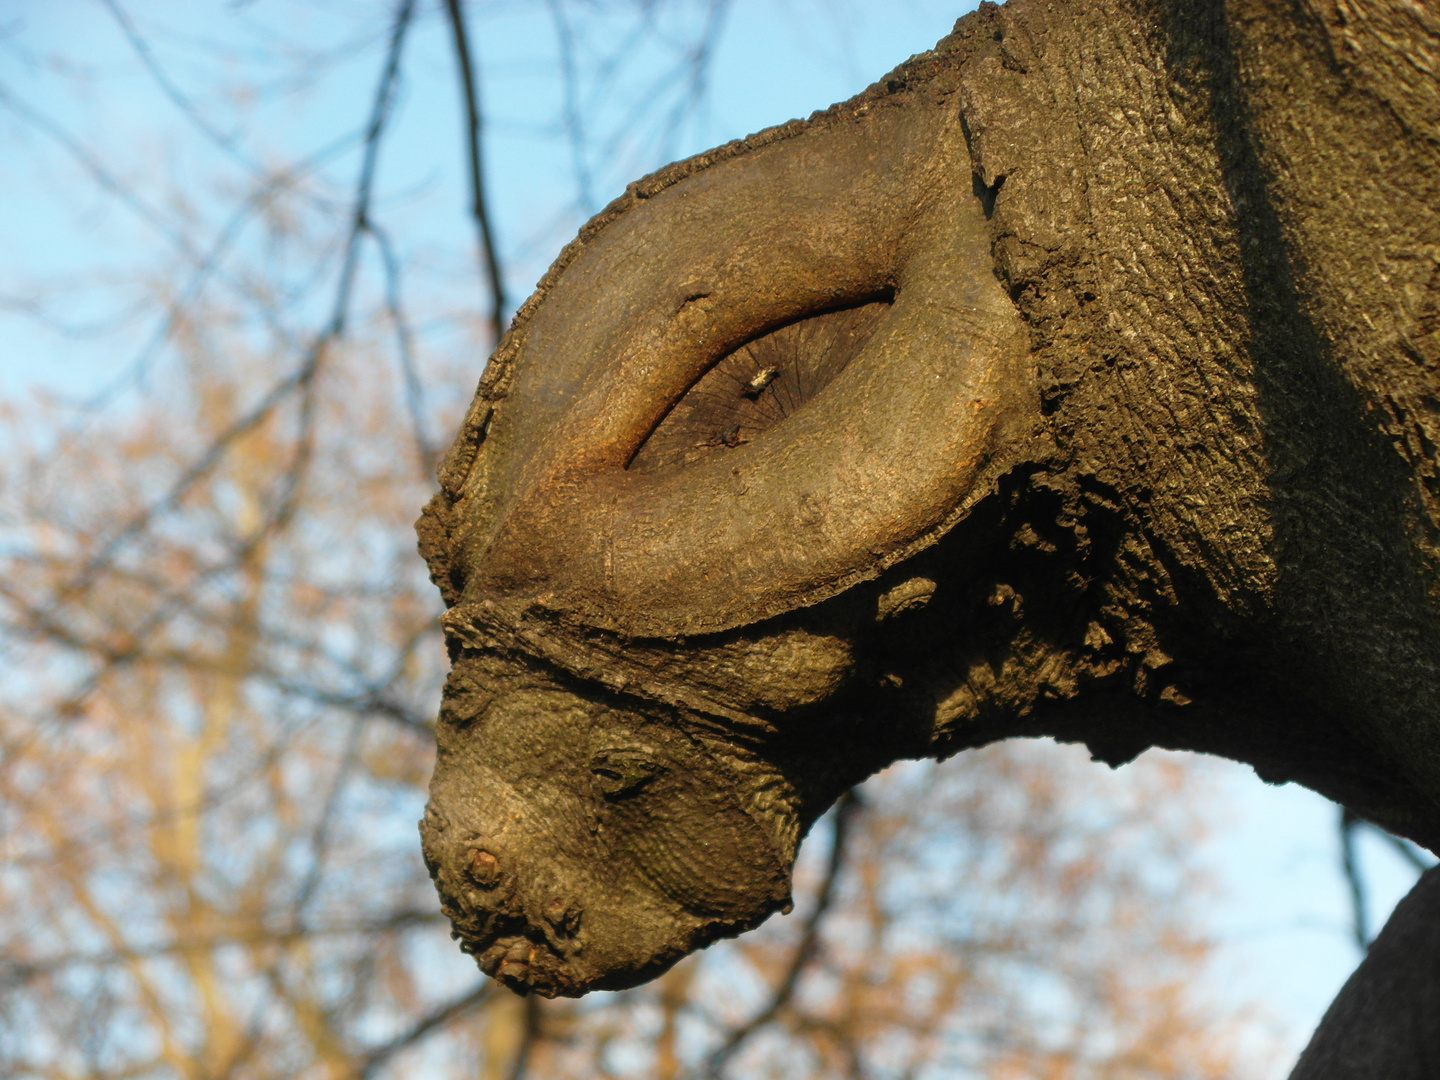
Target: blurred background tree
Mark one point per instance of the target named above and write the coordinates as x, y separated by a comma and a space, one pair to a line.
240, 325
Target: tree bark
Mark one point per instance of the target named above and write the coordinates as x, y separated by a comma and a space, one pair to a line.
1385, 1022
1078, 379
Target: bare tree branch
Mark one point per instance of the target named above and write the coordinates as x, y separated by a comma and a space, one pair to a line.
303, 376
177, 97
1350, 824
479, 204
102, 176
379, 114
320, 834
266, 193
528, 1035
368, 699
14, 972
1404, 848
574, 119
405, 349
697, 63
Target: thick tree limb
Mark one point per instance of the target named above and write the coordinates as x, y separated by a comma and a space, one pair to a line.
1385, 1022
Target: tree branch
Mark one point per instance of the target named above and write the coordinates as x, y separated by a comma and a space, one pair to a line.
177, 97
1404, 848
574, 120
479, 204
15, 972
102, 176
302, 377
698, 63
405, 349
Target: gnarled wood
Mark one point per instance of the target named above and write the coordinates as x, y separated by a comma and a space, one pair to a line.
1126, 314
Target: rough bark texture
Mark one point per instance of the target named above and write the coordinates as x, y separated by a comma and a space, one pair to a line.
1080, 378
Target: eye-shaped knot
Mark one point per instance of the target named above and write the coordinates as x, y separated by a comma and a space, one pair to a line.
622, 772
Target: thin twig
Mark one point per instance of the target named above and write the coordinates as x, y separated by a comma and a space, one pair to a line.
177, 97
379, 114
14, 972
405, 349
574, 118
304, 375
102, 176
479, 203
690, 74
698, 63
320, 834
805, 952
265, 193
369, 699
1405, 849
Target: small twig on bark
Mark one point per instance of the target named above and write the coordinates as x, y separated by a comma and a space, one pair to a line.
805, 952
479, 204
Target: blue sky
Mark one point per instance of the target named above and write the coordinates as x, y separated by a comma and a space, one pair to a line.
73, 252
68, 62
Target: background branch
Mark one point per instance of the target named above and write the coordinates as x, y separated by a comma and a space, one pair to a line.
302, 377
479, 203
